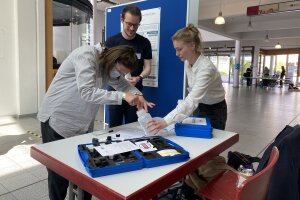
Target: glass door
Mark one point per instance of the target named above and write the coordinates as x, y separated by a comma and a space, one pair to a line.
292, 68
67, 27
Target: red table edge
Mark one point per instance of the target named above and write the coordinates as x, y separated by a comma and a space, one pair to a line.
172, 177
81, 180
101, 191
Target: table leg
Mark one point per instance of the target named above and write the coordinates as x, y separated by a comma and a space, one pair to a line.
80, 194
71, 191
75, 191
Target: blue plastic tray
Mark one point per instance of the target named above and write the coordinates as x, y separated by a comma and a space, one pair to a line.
192, 130
184, 156
142, 162
108, 170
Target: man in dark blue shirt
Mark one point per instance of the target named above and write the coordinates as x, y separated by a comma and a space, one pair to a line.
130, 19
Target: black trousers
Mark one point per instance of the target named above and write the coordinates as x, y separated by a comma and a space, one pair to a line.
57, 185
117, 114
216, 112
280, 82
248, 81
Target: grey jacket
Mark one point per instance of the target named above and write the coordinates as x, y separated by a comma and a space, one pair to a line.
73, 98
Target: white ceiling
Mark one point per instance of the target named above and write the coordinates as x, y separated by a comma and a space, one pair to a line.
102, 4
283, 27
212, 37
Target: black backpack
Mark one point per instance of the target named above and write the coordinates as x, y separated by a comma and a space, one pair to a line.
236, 159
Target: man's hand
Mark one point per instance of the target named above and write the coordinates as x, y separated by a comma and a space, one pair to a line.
155, 125
134, 79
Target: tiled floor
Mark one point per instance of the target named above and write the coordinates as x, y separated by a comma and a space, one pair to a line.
256, 114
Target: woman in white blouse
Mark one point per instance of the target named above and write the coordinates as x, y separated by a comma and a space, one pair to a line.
206, 93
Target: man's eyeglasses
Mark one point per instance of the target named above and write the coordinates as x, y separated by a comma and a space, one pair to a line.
132, 25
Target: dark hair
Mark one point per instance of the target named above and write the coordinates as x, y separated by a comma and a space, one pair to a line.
132, 9
122, 54
188, 35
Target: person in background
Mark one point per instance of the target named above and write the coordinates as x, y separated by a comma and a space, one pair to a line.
266, 74
130, 18
206, 93
71, 103
282, 74
248, 75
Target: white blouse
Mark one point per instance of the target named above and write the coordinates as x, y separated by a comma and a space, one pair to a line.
205, 86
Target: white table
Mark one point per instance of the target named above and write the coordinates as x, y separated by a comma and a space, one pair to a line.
61, 156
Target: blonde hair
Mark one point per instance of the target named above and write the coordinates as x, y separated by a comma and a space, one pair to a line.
188, 35
122, 54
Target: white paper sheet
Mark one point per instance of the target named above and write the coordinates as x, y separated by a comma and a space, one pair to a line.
195, 121
128, 134
116, 148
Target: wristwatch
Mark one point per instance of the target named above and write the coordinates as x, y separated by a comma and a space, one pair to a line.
141, 77
138, 94
123, 95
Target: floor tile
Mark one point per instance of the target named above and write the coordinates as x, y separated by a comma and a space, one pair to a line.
8, 167
25, 161
26, 193
10, 141
38, 171
7, 197
3, 190
18, 150
18, 180
45, 198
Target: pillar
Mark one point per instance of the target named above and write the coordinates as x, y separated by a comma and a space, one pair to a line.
255, 64
237, 64
272, 63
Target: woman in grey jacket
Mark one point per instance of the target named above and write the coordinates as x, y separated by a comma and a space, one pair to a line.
70, 105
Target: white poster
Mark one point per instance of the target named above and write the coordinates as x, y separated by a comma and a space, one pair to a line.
150, 28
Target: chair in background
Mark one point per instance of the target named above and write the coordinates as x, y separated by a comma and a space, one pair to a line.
226, 185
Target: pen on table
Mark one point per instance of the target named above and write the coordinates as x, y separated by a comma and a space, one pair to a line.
102, 132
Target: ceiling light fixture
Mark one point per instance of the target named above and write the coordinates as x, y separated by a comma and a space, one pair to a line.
277, 46
106, 1
220, 19
250, 27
